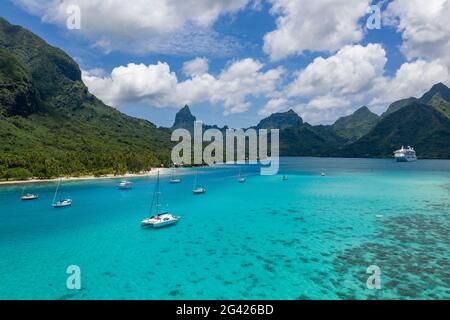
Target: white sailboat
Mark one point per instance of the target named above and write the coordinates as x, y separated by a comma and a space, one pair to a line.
240, 178
160, 219
28, 196
125, 185
197, 189
173, 177
61, 203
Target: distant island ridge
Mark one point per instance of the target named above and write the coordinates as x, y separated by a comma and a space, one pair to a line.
420, 122
51, 126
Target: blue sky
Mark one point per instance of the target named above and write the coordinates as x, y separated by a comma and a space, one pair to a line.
236, 62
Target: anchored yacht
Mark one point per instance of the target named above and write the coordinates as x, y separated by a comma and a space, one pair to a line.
29, 196
405, 154
197, 189
61, 203
173, 177
125, 185
241, 179
160, 219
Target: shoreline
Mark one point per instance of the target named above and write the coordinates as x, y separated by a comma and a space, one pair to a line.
150, 173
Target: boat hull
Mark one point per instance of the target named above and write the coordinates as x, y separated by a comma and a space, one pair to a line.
199, 191
62, 204
29, 198
165, 224
156, 224
405, 159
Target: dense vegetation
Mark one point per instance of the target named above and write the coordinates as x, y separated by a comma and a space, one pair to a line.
417, 125
50, 125
356, 125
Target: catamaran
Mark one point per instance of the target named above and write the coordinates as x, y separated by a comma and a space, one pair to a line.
240, 178
197, 189
125, 185
61, 203
173, 177
160, 219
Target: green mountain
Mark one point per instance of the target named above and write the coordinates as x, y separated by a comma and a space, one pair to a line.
300, 138
437, 96
51, 125
283, 120
440, 90
184, 119
397, 105
418, 125
356, 125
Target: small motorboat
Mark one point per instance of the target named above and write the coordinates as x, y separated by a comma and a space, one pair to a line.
29, 196
285, 177
125, 185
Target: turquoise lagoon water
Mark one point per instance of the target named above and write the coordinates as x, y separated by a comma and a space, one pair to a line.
310, 237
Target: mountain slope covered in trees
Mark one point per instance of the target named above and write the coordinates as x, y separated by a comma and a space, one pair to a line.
50, 125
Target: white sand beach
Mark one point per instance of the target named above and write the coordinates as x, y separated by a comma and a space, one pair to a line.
152, 172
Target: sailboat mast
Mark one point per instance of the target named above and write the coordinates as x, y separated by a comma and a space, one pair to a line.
195, 179
158, 205
56, 192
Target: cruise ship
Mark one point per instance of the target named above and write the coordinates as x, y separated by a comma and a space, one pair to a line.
405, 154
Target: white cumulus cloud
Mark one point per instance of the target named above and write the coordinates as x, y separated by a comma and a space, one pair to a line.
142, 26
196, 67
350, 71
412, 79
324, 25
354, 76
156, 85
424, 26
273, 105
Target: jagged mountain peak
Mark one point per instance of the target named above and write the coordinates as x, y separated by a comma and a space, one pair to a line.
281, 120
184, 118
354, 126
438, 89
